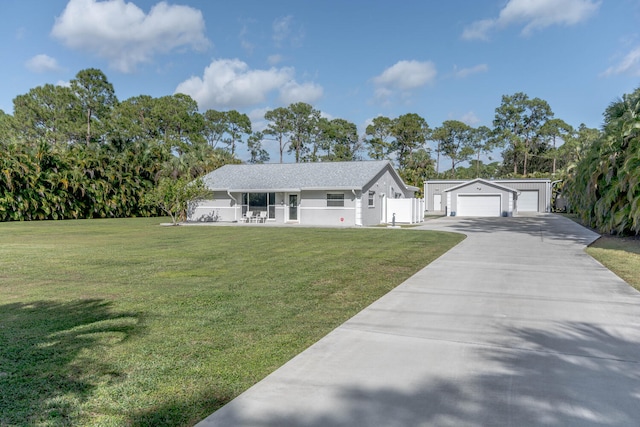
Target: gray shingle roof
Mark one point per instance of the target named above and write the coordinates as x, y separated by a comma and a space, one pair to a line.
294, 176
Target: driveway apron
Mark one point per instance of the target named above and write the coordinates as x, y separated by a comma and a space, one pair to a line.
515, 326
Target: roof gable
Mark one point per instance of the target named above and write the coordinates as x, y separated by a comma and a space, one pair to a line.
483, 181
296, 176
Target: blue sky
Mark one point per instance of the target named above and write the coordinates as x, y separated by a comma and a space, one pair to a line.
354, 59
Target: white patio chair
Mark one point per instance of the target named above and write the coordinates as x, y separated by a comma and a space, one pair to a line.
262, 217
248, 216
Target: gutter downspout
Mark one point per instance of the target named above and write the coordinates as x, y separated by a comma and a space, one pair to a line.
551, 184
424, 196
355, 198
235, 210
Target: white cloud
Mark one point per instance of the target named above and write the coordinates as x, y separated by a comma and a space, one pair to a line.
124, 35
230, 83
465, 72
368, 121
293, 92
534, 15
326, 115
406, 75
478, 30
247, 46
283, 30
244, 37
43, 64
274, 59
402, 77
382, 93
470, 118
258, 123
630, 64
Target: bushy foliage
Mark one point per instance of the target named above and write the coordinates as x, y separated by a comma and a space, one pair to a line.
42, 181
77, 152
174, 195
604, 186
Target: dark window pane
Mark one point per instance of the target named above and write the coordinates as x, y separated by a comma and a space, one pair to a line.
335, 199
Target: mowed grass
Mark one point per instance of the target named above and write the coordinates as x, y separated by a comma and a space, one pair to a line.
620, 255
127, 323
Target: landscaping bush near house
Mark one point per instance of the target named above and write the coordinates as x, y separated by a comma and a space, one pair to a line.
122, 322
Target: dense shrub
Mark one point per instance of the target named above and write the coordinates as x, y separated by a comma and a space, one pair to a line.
603, 188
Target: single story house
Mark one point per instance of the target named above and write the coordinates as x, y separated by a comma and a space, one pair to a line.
331, 193
481, 197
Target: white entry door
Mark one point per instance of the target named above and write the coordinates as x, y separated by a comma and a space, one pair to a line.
478, 205
437, 202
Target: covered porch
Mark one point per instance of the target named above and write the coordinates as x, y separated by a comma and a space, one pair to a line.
248, 207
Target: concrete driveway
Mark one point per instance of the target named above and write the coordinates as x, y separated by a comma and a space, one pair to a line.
515, 326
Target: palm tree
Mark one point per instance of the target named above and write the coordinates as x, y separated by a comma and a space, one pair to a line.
604, 187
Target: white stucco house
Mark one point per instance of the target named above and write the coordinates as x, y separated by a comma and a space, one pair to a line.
333, 193
480, 197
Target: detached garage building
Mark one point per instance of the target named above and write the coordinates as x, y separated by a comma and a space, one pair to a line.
480, 197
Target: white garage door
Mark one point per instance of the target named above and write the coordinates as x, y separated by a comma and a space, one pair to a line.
528, 201
472, 205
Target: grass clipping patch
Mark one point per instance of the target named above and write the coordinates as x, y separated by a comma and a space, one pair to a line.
124, 322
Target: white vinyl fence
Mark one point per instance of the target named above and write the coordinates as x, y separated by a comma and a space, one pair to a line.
407, 211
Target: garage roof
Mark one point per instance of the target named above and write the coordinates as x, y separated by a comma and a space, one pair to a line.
483, 181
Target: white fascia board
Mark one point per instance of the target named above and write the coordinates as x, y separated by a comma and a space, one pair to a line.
331, 188
484, 181
257, 190
445, 181
523, 180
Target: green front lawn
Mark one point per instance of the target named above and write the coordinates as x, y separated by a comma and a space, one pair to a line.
127, 323
620, 255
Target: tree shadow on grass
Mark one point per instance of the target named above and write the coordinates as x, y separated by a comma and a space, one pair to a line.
185, 411
577, 374
45, 372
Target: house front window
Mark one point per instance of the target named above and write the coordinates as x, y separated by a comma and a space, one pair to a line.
372, 199
335, 199
257, 202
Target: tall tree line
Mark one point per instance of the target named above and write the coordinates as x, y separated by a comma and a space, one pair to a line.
299, 129
77, 151
603, 184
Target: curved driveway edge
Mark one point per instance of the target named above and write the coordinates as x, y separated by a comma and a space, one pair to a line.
515, 326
